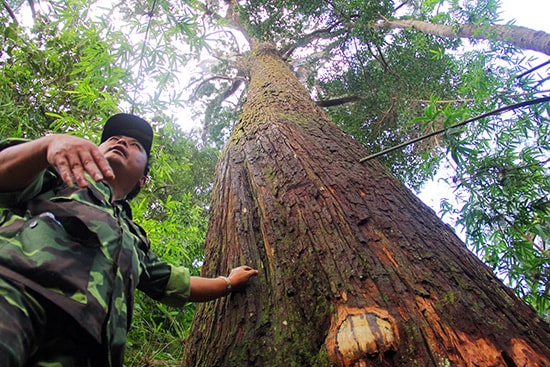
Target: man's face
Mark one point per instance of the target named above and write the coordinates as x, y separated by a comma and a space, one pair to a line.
128, 160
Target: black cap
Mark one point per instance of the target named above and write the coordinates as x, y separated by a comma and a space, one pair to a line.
133, 126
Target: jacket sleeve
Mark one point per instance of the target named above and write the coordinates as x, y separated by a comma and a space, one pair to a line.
13, 199
178, 287
164, 282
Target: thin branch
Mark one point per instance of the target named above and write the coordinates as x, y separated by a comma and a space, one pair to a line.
387, 113
343, 100
337, 101
143, 47
33, 10
218, 100
532, 69
380, 58
232, 35
215, 77
440, 131
443, 101
237, 82
320, 33
10, 11
401, 5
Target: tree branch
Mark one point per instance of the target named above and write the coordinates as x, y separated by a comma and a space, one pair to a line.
215, 77
337, 101
320, 33
520, 37
465, 122
10, 11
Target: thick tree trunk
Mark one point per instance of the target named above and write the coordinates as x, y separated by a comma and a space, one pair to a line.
354, 269
520, 37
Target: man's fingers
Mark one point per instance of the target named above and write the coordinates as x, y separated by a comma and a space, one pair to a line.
96, 165
63, 168
77, 170
73, 157
105, 170
251, 271
240, 275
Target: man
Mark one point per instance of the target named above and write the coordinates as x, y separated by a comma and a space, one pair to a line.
70, 255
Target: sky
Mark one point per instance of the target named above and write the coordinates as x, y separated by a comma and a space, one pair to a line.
528, 13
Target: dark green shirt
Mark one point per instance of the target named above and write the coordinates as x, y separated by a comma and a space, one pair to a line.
83, 252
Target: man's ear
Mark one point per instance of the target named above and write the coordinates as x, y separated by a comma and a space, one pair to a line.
142, 181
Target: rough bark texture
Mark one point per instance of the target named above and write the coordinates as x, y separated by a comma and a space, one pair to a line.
520, 37
354, 269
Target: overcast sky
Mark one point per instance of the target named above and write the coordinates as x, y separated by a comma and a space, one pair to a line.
533, 14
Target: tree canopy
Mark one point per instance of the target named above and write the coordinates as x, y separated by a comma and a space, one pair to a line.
387, 73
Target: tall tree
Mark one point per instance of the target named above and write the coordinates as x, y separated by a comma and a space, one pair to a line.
355, 270
388, 85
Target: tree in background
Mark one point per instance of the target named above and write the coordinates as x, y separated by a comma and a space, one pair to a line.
65, 73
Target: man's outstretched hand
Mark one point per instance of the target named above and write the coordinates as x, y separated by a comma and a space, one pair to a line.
72, 156
240, 276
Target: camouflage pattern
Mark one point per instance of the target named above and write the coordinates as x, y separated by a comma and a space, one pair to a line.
77, 249
20, 315
26, 320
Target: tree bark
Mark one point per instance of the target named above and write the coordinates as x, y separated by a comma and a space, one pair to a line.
520, 37
354, 269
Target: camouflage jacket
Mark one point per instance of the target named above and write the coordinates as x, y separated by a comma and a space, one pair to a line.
85, 254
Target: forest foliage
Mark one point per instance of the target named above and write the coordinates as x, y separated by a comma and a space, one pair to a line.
67, 65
